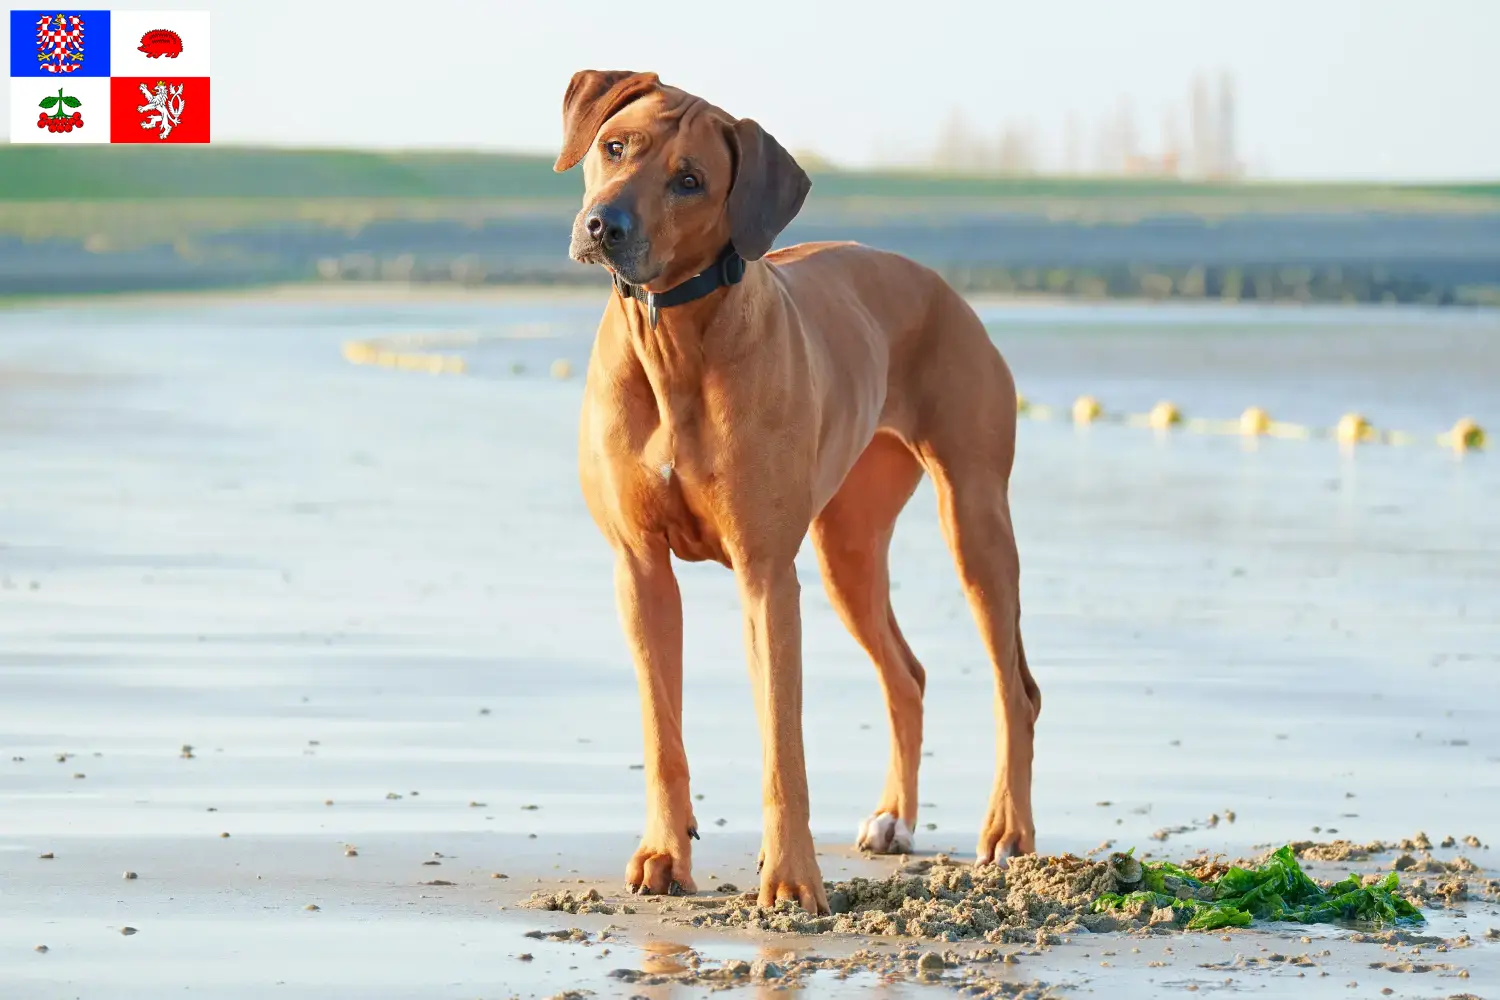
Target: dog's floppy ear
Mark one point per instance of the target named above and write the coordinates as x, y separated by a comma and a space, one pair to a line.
768, 189
593, 96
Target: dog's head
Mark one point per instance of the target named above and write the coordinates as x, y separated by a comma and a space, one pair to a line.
669, 179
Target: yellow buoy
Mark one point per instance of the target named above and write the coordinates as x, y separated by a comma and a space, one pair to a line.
561, 368
1086, 410
1467, 435
1352, 429
1164, 415
1254, 422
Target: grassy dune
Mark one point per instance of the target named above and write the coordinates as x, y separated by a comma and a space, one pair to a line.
105, 217
127, 173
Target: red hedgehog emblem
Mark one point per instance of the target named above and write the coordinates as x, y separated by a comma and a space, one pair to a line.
161, 42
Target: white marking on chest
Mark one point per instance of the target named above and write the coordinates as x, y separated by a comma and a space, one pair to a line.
665, 471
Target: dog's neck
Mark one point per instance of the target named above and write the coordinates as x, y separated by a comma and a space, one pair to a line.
726, 270
673, 352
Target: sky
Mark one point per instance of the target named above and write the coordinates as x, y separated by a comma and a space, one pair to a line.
1326, 89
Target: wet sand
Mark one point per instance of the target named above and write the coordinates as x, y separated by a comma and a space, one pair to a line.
214, 532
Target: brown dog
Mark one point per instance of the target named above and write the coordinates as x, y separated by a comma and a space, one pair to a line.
730, 406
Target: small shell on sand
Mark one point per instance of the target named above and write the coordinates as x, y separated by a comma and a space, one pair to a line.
498, 875
225, 834
312, 907
1126, 868
328, 802
350, 852
42, 948
131, 875
45, 856
79, 777
127, 931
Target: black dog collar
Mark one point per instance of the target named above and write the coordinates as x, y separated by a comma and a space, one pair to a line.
726, 271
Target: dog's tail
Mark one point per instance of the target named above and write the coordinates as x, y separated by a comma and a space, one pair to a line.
1033, 692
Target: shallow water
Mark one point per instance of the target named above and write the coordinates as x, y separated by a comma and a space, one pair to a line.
214, 531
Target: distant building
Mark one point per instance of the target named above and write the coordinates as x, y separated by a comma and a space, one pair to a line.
1201, 127
1227, 160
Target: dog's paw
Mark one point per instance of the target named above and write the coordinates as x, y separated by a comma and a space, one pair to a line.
1007, 833
884, 833
656, 871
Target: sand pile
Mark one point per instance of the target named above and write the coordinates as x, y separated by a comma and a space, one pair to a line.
1040, 899
1036, 899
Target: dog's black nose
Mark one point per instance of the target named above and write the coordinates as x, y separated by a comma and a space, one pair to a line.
609, 225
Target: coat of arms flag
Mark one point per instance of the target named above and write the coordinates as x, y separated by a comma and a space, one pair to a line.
96, 76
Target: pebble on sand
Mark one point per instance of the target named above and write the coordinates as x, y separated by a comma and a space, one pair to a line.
127, 931
498, 875
312, 907
350, 852
42, 948
79, 777
45, 856
225, 834
931, 961
131, 875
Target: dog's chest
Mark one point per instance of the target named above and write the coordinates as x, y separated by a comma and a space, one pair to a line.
661, 476
676, 495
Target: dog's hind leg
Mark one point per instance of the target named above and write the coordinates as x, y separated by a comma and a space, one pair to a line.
852, 537
976, 521
967, 443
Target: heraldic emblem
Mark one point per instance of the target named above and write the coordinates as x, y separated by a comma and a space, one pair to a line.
161, 42
60, 120
59, 42
163, 108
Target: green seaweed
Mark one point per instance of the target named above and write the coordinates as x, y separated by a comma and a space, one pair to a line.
1277, 890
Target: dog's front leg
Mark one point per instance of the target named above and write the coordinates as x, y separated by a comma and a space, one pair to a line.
651, 612
773, 635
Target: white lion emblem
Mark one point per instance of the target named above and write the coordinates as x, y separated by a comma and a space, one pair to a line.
167, 102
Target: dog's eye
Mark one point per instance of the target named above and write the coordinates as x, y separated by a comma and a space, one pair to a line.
688, 182
614, 150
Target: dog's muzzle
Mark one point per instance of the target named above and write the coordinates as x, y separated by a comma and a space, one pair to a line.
610, 234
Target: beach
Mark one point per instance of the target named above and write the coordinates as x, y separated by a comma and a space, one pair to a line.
373, 606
